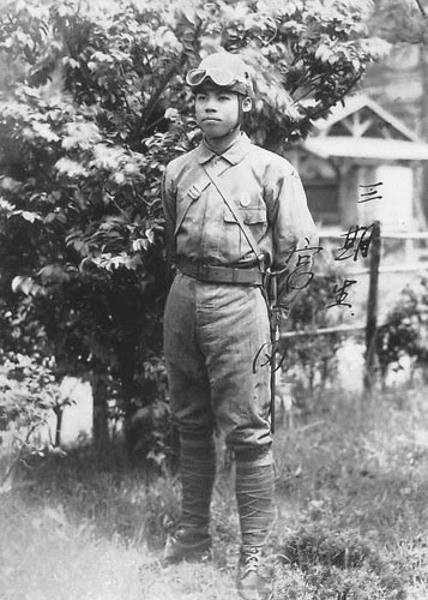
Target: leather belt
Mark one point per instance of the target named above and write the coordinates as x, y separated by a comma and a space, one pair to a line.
217, 274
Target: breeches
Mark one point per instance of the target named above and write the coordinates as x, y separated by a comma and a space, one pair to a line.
212, 335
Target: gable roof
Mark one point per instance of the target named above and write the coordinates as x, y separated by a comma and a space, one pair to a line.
362, 129
356, 104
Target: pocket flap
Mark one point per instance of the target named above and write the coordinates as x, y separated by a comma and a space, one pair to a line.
250, 216
254, 215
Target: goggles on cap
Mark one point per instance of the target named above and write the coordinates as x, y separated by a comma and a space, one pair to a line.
221, 77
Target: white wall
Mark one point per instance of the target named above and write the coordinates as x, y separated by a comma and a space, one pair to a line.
395, 208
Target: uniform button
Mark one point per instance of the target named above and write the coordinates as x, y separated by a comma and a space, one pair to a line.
245, 202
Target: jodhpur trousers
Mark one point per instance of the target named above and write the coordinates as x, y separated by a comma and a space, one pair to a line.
212, 334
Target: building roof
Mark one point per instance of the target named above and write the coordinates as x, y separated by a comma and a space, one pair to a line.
355, 104
371, 148
361, 128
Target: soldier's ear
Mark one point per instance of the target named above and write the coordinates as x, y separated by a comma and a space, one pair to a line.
247, 104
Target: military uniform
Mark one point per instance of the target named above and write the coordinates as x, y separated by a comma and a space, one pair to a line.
227, 217
213, 330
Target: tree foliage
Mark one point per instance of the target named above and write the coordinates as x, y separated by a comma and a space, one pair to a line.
29, 394
405, 333
93, 106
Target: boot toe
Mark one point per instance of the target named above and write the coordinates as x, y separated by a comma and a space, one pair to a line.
249, 582
187, 545
248, 587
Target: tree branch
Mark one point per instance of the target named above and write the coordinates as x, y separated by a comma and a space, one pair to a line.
169, 73
421, 8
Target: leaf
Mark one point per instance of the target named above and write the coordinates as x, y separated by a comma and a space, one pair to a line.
44, 131
6, 207
71, 62
9, 184
172, 114
49, 218
53, 273
81, 135
149, 233
140, 244
70, 168
26, 285
28, 216
80, 246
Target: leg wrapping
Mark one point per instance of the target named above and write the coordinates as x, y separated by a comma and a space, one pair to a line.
254, 495
197, 473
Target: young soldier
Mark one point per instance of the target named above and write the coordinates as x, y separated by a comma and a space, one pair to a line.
231, 210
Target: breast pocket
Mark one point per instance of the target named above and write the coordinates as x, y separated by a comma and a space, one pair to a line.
254, 218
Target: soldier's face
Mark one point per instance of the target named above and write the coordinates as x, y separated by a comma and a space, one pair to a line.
217, 112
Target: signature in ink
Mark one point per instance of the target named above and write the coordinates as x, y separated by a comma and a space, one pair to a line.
341, 293
302, 275
371, 192
357, 241
266, 355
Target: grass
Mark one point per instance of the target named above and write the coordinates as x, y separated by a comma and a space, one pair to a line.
351, 522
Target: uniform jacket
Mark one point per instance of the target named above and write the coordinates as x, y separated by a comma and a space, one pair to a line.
270, 198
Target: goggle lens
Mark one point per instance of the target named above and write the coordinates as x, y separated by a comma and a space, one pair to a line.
220, 77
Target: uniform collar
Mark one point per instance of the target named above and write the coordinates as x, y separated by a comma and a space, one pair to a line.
234, 154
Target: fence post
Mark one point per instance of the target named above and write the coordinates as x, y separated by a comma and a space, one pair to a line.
371, 324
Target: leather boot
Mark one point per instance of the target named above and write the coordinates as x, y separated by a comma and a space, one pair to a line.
248, 581
187, 544
254, 494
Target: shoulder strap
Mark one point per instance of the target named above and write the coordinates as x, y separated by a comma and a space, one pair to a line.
245, 230
192, 194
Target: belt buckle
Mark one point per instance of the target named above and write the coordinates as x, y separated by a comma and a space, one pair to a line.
203, 270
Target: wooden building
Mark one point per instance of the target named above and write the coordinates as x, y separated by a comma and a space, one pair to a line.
362, 164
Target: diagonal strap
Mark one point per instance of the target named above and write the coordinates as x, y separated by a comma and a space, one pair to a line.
245, 230
193, 194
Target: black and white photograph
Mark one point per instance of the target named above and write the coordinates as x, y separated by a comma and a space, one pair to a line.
213, 300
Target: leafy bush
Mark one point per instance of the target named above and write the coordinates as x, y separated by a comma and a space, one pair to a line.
28, 395
405, 332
